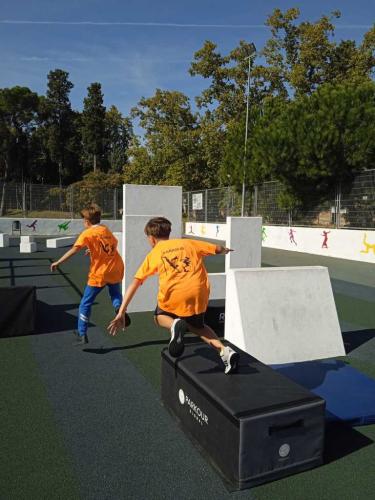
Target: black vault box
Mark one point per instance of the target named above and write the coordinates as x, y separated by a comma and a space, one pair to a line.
17, 310
253, 426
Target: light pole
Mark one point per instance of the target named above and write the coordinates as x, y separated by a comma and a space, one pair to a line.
253, 49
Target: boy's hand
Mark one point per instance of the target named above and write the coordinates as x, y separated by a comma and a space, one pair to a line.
87, 251
116, 324
227, 250
54, 266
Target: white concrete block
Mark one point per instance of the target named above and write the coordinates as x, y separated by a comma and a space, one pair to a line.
282, 315
65, 241
27, 239
217, 285
28, 247
151, 200
244, 236
135, 250
4, 240
118, 236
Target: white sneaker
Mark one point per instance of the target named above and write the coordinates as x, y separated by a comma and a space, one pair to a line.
176, 344
230, 359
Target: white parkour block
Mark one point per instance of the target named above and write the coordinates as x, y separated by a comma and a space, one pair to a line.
244, 236
28, 247
118, 236
66, 241
282, 315
27, 239
4, 240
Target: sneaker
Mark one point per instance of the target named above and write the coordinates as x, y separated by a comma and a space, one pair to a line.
176, 344
230, 359
80, 339
127, 320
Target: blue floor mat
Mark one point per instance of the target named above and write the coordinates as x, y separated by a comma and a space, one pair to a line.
349, 395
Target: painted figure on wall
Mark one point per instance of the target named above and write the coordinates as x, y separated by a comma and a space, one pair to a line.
291, 236
33, 225
368, 246
264, 234
63, 226
217, 230
203, 229
325, 240
191, 230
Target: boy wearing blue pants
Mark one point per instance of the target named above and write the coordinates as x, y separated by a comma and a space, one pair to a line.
106, 267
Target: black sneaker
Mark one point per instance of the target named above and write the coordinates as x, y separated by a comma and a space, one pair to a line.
80, 339
127, 321
230, 359
176, 344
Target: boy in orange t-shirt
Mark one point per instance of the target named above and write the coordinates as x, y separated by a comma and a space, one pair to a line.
106, 267
183, 289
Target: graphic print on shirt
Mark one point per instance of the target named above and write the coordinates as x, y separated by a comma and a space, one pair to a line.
107, 248
179, 264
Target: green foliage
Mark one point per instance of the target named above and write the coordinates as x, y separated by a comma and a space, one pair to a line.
93, 126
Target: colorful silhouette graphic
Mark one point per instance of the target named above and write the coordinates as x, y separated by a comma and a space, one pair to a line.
264, 234
191, 230
291, 236
368, 246
32, 225
217, 230
63, 226
203, 229
325, 240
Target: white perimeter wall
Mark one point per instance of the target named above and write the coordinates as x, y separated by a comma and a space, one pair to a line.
49, 227
341, 243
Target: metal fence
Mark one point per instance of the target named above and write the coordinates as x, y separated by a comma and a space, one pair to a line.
350, 206
41, 200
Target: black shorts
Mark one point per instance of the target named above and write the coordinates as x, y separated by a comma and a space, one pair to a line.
197, 320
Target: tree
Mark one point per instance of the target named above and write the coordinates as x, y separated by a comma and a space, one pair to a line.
18, 109
119, 134
171, 153
316, 141
93, 124
59, 119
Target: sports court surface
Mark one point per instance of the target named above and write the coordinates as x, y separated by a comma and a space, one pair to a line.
88, 423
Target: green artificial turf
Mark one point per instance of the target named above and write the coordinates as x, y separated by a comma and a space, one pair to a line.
34, 462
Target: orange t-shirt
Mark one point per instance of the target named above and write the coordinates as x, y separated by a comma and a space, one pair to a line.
183, 281
106, 266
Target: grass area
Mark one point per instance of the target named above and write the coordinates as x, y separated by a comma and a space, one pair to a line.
34, 463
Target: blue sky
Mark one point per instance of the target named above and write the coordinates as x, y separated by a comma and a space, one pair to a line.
133, 47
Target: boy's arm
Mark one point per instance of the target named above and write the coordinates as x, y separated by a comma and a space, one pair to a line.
118, 321
222, 250
65, 257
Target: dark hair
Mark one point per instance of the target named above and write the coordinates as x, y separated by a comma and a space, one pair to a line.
158, 227
92, 213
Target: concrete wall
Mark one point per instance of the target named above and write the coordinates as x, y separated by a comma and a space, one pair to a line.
141, 203
50, 227
282, 315
349, 244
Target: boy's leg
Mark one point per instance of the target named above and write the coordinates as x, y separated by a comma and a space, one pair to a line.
115, 294
176, 326
85, 305
116, 298
228, 356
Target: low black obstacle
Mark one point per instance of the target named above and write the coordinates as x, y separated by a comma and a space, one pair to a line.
254, 426
17, 310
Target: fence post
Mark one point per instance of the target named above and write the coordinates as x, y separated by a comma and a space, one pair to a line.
255, 201
71, 202
115, 203
24, 199
339, 206
206, 205
188, 206
30, 197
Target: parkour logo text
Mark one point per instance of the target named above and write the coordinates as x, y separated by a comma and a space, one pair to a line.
194, 410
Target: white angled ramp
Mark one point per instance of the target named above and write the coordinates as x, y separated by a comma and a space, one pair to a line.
282, 315
65, 241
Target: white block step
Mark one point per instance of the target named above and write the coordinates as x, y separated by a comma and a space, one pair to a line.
27, 239
30, 247
282, 315
66, 241
4, 240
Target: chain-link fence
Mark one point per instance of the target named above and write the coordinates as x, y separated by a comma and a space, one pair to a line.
41, 200
350, 206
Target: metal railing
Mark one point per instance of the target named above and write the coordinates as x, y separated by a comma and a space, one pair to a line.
350, 206
41, 200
